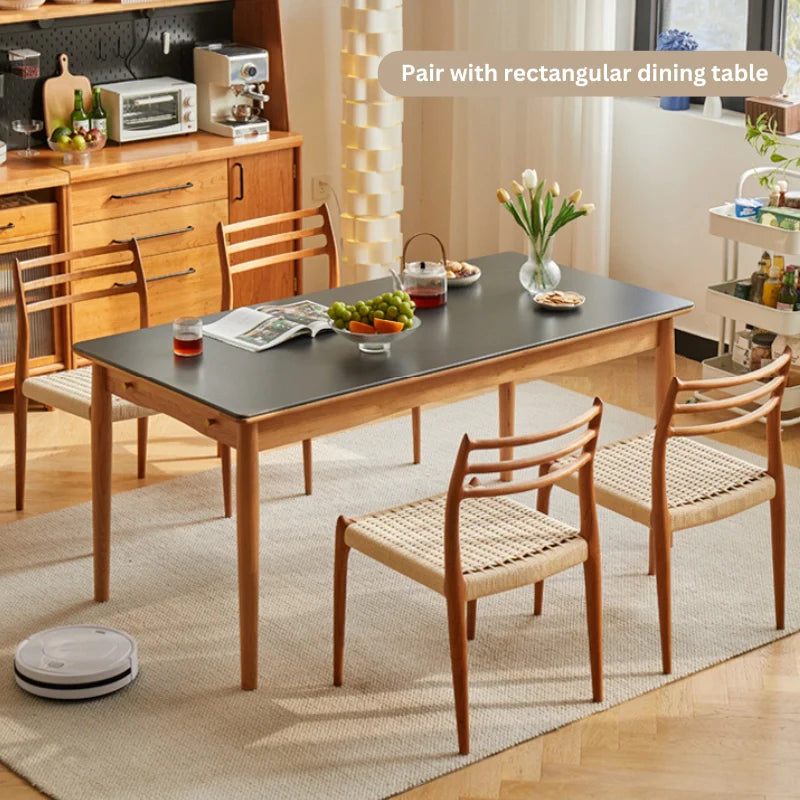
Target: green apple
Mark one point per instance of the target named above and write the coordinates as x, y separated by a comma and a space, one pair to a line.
78, 142
64, 143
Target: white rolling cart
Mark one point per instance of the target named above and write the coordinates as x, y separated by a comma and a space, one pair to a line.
734, 311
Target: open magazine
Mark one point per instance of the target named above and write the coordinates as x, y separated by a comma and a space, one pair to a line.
264, 327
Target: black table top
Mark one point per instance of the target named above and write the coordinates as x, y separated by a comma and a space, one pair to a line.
493, 317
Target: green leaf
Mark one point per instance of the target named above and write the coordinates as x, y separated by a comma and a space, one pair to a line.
548, 210
777, 157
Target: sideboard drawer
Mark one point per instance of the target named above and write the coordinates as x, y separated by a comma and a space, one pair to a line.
179, 284
148, 191
28, 221
158, 232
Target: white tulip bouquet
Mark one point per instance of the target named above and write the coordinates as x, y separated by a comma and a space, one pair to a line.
534, 207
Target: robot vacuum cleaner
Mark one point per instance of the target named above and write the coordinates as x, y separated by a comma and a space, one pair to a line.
76, 662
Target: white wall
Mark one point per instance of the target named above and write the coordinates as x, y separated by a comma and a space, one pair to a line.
312, 44
668, 169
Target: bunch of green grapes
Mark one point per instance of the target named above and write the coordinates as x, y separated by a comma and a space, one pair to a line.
395, 305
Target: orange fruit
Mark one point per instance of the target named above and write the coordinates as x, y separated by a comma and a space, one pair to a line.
359, 327
388, 326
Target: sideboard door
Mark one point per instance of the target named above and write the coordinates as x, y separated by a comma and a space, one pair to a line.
261, 185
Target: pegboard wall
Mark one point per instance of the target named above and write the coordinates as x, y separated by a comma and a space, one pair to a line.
106, 48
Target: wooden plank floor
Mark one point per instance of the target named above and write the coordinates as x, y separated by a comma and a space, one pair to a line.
731, 732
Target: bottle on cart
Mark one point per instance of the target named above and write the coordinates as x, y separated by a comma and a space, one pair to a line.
771, 288
757, 281
787, 297
780, 263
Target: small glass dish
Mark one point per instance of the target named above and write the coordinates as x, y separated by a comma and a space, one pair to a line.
377, 342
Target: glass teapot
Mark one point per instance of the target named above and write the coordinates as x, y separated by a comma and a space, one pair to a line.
424, 281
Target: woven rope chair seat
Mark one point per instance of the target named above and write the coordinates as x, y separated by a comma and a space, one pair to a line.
504, 544
71, 391
703, 483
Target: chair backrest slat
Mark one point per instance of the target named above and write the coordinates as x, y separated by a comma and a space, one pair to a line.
728, 424
281, 258
521, 441
531, 485
275, 238
534, 461
257, 237
734, 401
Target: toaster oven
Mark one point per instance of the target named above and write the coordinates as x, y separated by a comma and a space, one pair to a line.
149, 108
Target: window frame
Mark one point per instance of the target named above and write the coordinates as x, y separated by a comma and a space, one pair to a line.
766, 28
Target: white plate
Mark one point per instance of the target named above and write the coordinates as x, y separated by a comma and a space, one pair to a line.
466, 281
540, 301
377, 342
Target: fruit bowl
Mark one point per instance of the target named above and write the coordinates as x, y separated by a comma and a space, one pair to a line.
377, 342
76, 148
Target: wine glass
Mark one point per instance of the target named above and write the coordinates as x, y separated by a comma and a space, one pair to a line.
28, 127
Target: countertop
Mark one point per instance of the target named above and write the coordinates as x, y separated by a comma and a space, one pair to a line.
47, 169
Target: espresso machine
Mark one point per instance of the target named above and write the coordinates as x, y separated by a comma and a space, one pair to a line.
230, 80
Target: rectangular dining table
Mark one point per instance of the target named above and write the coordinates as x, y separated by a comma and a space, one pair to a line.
488, 335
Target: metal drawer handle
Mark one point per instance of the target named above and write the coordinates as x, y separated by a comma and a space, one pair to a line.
190, 271
7, 227
187, 229
152, 191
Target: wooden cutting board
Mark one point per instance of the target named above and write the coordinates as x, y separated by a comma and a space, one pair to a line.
58, 95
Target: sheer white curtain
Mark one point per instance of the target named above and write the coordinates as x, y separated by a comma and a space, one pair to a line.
493, 139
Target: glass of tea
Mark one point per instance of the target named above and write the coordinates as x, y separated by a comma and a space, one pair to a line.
187, 336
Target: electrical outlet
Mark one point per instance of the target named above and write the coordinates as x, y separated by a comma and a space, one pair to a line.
320, 188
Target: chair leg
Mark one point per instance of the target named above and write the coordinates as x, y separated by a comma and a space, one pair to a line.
307, 464
416, 433
651, 557
777, 511
543, 506
20, 446
141, 447
594, 620
662, 536
538, 598
457, 628
341, 552
472, 614
224, 452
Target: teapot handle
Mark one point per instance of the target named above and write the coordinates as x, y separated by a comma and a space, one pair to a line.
411, 239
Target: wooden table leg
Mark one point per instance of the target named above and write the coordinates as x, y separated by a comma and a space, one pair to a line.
247, 536
665, 359
101, 481
506, 397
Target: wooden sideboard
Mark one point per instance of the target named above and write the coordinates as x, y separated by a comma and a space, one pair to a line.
168, 193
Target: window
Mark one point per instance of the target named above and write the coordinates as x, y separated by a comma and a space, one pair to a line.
727, 25
791, 48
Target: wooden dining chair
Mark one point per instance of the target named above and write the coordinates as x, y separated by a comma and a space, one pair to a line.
237, 242
70, 390
668, 481
486, 545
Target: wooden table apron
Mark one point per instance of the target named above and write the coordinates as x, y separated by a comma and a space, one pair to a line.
249, 436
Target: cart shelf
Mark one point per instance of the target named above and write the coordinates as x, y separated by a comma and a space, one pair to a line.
720, 300
724, 222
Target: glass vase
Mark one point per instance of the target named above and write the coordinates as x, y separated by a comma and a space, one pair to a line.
539, 273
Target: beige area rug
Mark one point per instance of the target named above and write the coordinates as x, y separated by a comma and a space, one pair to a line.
185, 730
